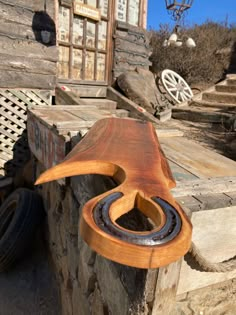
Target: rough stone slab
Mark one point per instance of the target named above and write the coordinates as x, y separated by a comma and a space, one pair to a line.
214, 232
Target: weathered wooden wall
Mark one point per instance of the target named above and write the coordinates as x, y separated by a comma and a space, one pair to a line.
131, 49
26, 62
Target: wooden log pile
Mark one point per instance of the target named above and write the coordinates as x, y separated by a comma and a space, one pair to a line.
25, 61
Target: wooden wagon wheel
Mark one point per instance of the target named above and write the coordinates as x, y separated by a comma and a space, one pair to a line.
176, 86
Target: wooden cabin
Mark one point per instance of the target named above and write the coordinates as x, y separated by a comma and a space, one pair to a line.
80, 42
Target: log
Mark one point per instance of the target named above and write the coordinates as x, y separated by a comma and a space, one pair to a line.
19, 47
28, 65
17, 79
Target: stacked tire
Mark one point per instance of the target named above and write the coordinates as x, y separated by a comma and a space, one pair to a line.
20, 216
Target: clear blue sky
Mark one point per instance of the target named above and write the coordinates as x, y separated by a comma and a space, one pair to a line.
201, 10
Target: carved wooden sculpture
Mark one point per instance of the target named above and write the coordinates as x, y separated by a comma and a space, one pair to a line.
128, 150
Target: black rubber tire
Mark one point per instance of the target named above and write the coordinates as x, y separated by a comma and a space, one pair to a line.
20, 215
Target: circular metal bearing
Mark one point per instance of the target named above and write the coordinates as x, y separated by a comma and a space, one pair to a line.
168, 232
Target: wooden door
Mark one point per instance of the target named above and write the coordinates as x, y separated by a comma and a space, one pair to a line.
84, 35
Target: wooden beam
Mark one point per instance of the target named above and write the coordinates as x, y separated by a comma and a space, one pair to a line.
166, 289
199, 115
135, 110
206, 186
196, 159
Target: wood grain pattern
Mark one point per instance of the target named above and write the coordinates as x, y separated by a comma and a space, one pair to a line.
127, 150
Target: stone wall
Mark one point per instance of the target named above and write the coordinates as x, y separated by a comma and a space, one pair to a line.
131, 49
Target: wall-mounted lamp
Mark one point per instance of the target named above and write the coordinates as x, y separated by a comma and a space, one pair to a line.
46, 37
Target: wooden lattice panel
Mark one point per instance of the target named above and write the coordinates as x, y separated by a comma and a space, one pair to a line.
14, 149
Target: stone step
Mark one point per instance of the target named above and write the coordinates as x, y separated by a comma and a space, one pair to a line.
101, 103
231, 81
219, 97
198, 114
225, 88
202, 103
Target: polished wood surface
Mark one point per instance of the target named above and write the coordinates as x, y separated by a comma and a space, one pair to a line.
127, 150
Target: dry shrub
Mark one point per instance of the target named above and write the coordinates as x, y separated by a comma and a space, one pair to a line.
206, 63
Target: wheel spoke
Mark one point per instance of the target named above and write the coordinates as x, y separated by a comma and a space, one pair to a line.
177, 95
183, 96
173, 89
171, 78
170, 83
186, 93
174, 78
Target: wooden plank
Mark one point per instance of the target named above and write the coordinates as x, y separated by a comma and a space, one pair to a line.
69, 126
92, 115
191, 202
90, 91
135, 110
180, 174
12, 118
66, 97
232, 196
166, 288
34, 49
16, 29
205, 202
11, 109
214, 201
16, 14
197, 159
9, 94
5, 156
166, 133
9, 125
6, 149
47, 146
28, 65
8, 134
199, 187
52, 116
6, 140
34, 6
215, 234
18, 79
2, 163
45, 96
199, 115
101, 103
21, 101
34, 97
68, 108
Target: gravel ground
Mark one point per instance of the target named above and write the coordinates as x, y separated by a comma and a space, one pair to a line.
29, 287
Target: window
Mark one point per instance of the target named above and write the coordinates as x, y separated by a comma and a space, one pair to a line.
128, 11
82, 40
